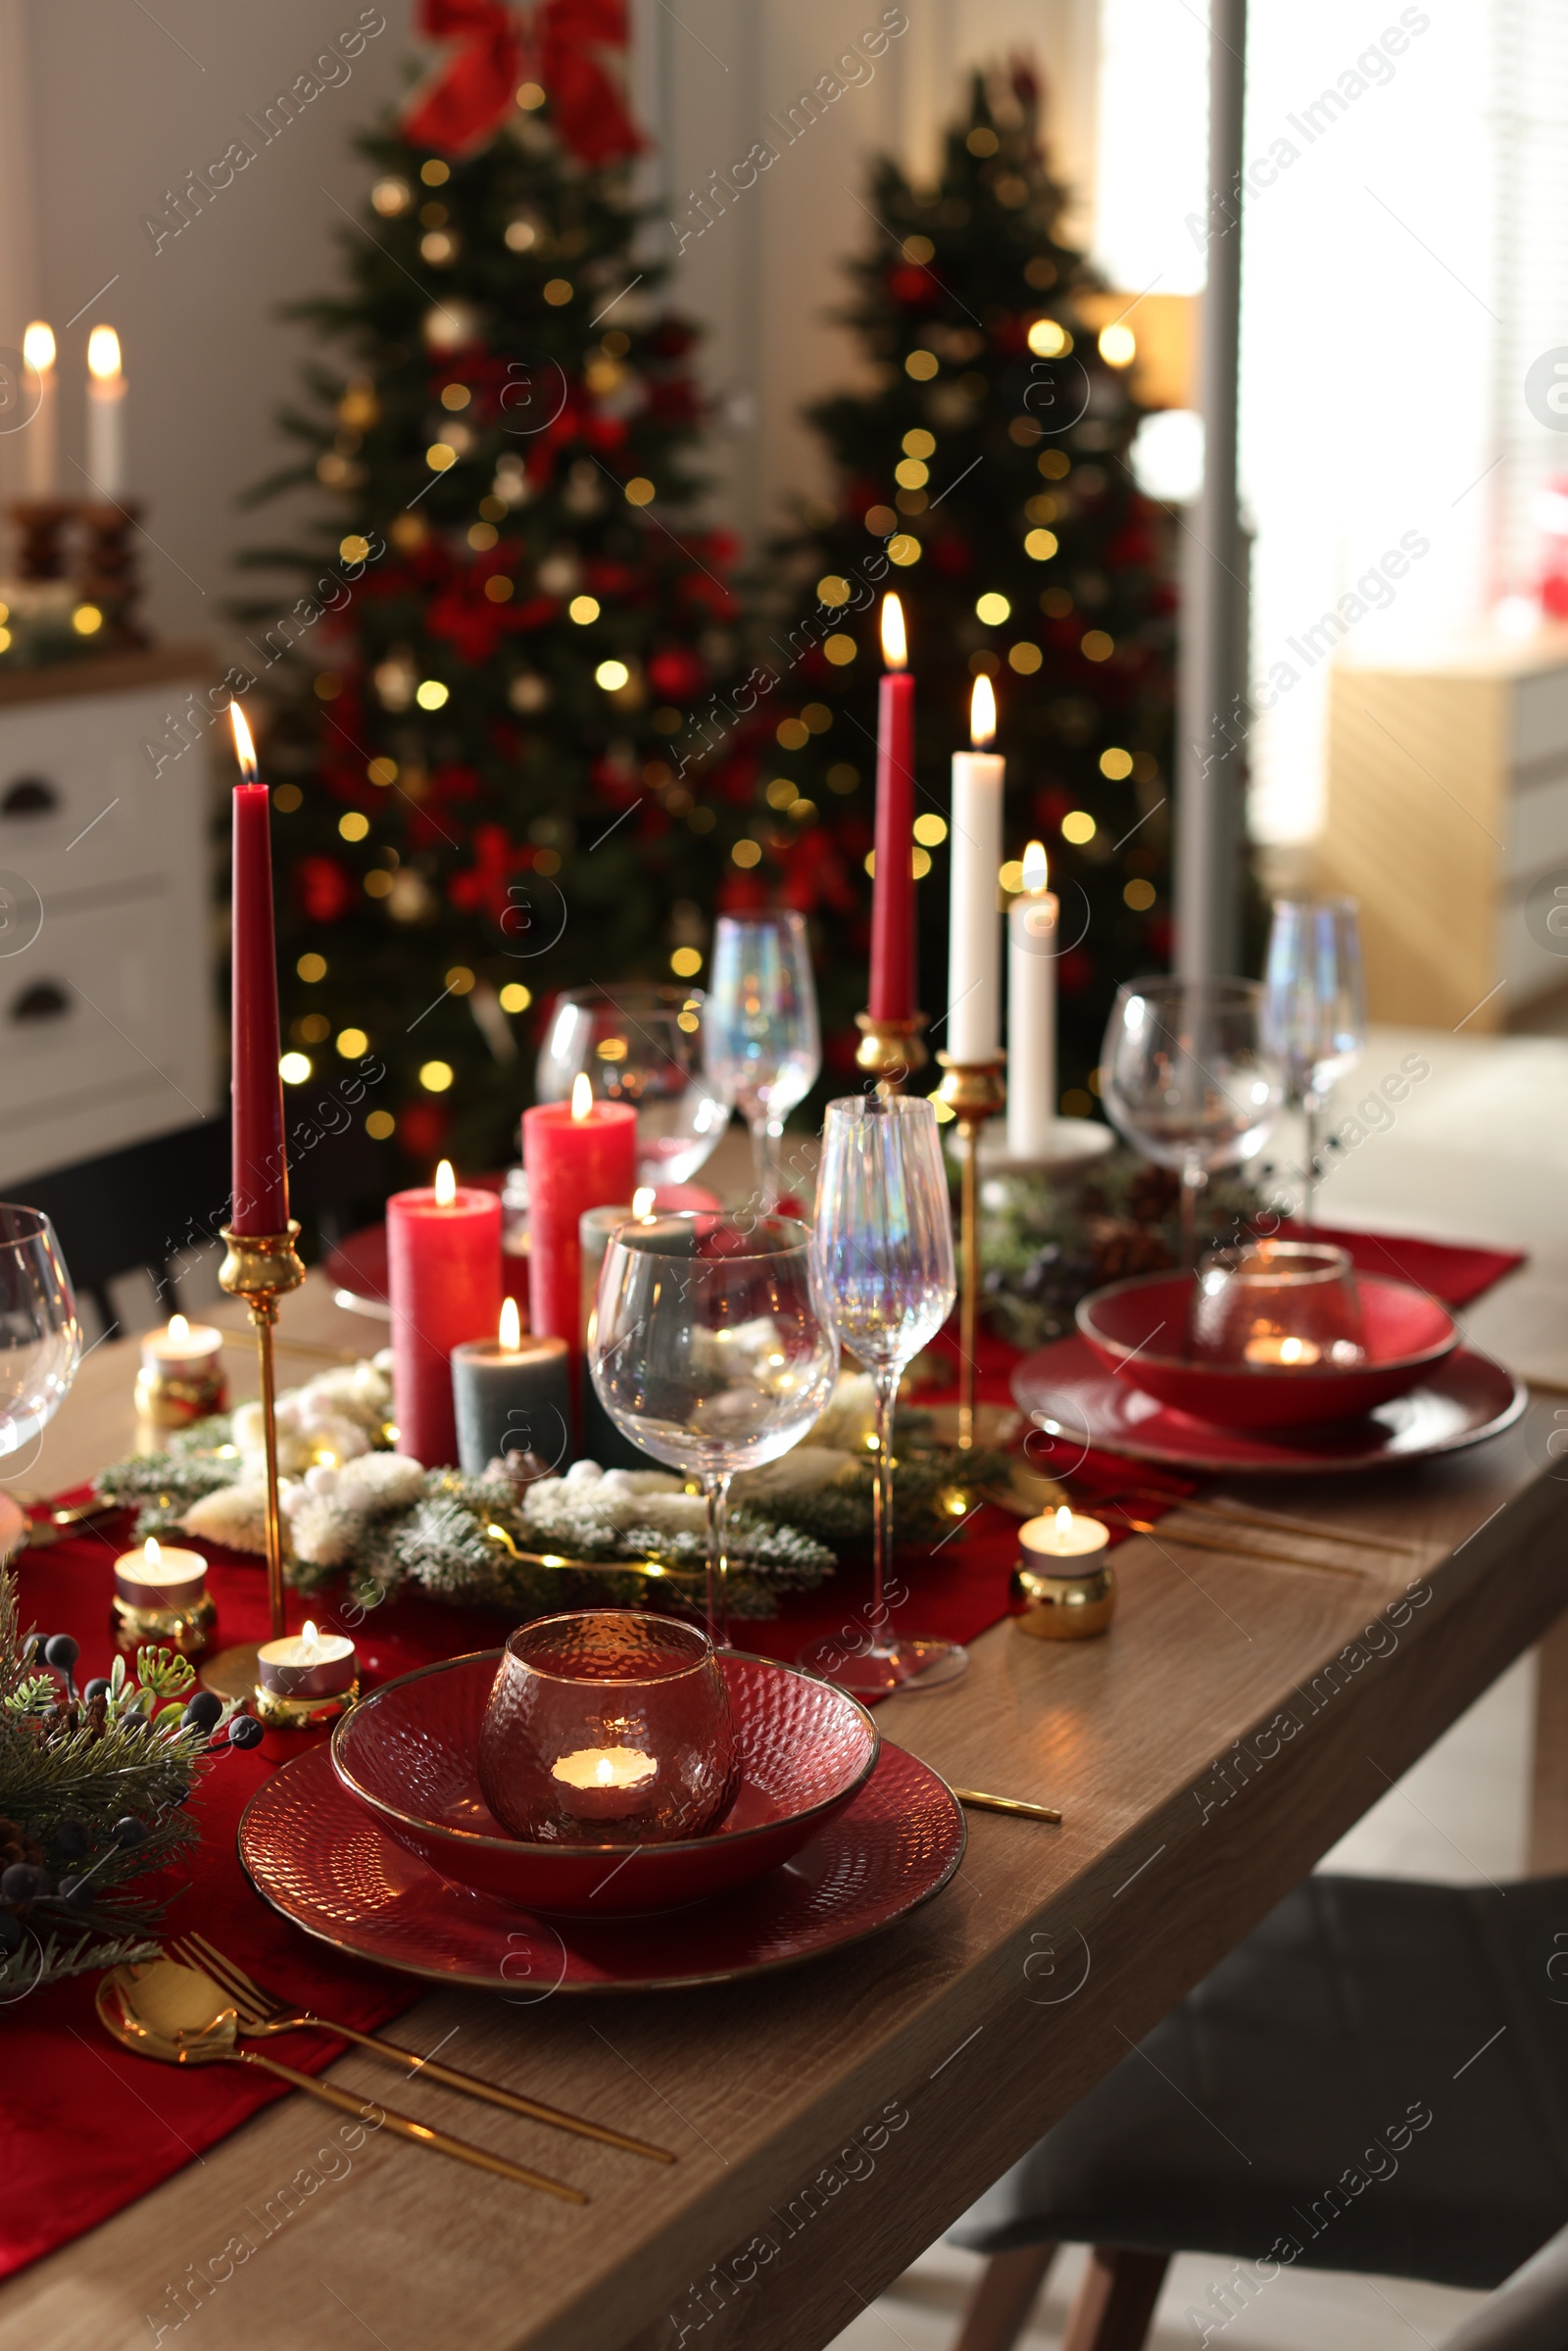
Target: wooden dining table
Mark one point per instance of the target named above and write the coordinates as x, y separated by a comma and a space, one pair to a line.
830, 2122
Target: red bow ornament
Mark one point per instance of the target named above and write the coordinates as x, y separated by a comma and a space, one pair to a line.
472, 93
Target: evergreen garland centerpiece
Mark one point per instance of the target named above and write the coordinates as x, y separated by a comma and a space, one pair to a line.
487, 700
986, 475
92, 1793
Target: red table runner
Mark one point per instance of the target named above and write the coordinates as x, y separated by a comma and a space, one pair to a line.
151, 2120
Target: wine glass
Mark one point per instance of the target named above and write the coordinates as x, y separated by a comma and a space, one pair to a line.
40, 1336
711, 1348
639, 1045
761, 1040
1314, 1009
883, 1242
1186, 1079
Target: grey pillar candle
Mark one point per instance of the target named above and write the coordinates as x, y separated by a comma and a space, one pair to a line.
511, 1400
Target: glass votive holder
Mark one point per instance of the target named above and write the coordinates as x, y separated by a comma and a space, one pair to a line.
161, 1599
1278, 1305
608, 1727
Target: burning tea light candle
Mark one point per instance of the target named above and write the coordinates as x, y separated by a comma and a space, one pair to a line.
308, 1664
160, 1577
182, 1377
607, 1783
1267, 1349
161, 1595
1064, 1535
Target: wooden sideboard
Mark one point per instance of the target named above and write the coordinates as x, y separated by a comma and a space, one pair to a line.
1448, 805
106, 923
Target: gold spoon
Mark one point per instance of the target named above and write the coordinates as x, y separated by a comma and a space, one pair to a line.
176, 2014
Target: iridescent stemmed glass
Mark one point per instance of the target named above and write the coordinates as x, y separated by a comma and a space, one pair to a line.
883, 1242
40, 1336
1184, 1077
642, 1046
1314, 1009
761, 1040
711, 1348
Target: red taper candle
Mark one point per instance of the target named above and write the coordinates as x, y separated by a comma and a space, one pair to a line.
579, 1154
443, 1260
893, 990
259, 1203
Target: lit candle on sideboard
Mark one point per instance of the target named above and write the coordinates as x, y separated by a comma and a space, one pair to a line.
443, 1244
1033, 930
893, 987
43, 450
106, 414
1062, 1534
974, 946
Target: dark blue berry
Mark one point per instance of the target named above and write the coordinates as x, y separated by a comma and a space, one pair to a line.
128, 1832
61, 1651
77, 1892
203, 1711
244, 1730
69, 1840
21, 1882
97, 1687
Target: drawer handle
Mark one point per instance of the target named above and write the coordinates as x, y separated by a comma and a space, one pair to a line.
29, 795
45, 1000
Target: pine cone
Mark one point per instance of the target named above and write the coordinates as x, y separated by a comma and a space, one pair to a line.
1120, 1247
1153, 1196
16, 1846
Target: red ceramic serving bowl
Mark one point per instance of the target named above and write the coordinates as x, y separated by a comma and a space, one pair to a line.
1407, 1334
410, 1750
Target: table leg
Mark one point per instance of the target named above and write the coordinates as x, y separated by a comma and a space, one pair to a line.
1548, 1792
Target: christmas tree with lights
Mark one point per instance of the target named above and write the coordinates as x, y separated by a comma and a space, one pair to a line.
986, 477
479, 716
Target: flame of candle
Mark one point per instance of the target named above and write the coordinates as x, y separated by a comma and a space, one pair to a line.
1036, 871
510, 1325
446, 1184
642, 1200
178, 1327
151, 1552
601, 1771
1291, 1351
895, 642
103, 353
582, 1095
244, 747
38, 346
312, 1641
982, 713
1063, 1520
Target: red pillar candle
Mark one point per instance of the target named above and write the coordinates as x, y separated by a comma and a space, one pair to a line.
259, 1203
893, 989
443, 1251
579, 1154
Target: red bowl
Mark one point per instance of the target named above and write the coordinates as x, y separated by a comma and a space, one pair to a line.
408, 1751
1407, 1334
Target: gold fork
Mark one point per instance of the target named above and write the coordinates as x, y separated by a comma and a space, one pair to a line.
260, 2013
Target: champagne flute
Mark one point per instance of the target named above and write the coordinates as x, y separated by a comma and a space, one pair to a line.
1314, 1009
711, 1348
761, 1040
883, 1242
1185, 1078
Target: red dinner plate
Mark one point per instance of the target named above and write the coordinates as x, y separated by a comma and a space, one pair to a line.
409, 1749
1080, 1405
1407, 1336
324, 1861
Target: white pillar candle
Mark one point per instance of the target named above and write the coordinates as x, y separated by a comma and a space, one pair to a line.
106, 414
38, 350
974, 943
1033, 925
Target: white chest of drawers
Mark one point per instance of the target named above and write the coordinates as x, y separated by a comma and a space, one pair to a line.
106, 1030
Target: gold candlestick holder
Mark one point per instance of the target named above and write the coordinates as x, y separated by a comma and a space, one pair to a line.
973, 1091
261, 1268
891, 1051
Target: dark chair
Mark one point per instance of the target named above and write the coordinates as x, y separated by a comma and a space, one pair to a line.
157, 1205
1376, 2080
